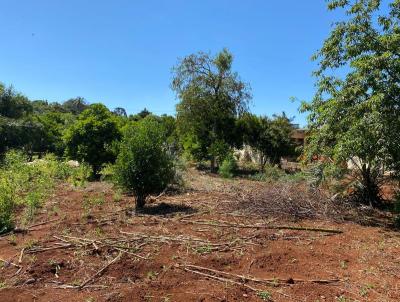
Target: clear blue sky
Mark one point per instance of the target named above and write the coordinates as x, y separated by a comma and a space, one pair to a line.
121, 52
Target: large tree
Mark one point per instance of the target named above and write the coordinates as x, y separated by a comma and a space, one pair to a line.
91, 138
211, 97
356, 117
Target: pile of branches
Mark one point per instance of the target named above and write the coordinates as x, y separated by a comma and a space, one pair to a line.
290, 200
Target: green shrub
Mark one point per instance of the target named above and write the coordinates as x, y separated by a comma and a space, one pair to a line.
228, 167
6, 205
144, 166
273, 172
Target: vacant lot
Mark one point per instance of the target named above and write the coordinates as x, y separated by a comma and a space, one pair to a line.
220, 240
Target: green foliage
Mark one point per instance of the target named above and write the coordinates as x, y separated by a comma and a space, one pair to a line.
356, 117
271, 138
264, 295
93, 137
144, 166
6, 204
228, 167
75, 106
211, 96
12, 104
27, 184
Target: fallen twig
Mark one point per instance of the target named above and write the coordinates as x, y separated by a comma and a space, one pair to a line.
272, 281
273, 227
221, 279
9, 263
21, 256
100, 271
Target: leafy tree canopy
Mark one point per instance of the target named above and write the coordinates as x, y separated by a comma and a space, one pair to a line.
357, 116
92, 137
211, 97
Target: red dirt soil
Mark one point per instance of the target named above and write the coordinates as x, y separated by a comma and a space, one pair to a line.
175, 232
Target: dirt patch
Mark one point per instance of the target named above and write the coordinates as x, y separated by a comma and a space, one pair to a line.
177, 250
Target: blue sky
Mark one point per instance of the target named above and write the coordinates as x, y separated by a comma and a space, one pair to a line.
121, 52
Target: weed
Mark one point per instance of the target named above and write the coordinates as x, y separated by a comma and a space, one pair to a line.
12, 239
365, 289
343, 264
204, 249
117, 197
151, 275
31, 243
264, 295
228, 167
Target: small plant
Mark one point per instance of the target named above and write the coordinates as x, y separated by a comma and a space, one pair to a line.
31, 243
264, 295
117, 196
12, 239
151, 275
343, 264
228, 167
342, 299
365, 289
204, 249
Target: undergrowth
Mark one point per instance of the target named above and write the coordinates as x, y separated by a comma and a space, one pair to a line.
25, 185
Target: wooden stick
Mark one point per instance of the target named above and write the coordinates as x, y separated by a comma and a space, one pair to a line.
100, 271
130, 253
274, 227
41, 223
9, 263
21, 255
221, 279
268, 281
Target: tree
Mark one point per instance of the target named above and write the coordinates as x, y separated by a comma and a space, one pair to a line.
211, 97
144, 165
271, 138
12, 104
356, 117
120, 112
76, 105
54, 124
92, 136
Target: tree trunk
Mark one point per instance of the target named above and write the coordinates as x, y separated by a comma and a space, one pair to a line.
213, 165
262, 164
370, 189
140, 202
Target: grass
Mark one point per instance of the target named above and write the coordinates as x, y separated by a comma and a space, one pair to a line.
26, 185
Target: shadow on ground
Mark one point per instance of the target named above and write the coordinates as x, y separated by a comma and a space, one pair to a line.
164, 209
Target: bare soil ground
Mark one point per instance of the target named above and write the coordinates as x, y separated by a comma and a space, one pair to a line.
214, 242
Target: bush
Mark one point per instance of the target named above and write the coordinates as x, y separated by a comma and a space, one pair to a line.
228, 167
144, 165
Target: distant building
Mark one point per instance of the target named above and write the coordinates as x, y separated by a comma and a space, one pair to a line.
298, 135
